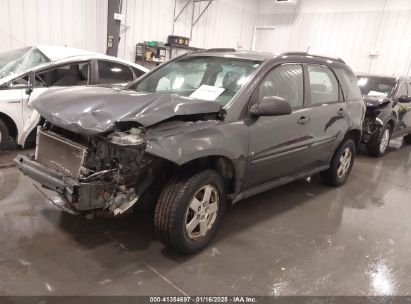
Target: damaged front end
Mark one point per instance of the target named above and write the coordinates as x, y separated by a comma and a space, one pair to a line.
108, 172
372, 121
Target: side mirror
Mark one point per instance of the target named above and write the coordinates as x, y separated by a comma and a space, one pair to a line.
404, 99
29, 90
271, 106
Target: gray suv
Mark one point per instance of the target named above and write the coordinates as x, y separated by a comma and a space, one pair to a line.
204, 130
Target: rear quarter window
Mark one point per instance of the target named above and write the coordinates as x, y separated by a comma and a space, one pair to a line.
351, 82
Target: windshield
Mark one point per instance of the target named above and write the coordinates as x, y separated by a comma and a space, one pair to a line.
20, 60
205, 77
376, 86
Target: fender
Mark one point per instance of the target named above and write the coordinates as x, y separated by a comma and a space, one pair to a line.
188, 141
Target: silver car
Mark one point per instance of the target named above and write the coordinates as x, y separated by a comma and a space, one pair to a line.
27, 72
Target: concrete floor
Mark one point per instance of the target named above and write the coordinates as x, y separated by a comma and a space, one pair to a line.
299, 239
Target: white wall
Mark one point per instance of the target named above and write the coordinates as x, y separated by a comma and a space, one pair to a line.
349, 29
75, 23
346, 28
226, 23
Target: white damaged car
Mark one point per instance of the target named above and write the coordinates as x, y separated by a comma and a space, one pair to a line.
27, 72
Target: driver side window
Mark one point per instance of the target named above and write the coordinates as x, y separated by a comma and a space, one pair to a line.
285, 81
72, 74
20, 83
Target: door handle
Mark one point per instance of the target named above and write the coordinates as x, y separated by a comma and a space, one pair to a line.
303, 119
341, 112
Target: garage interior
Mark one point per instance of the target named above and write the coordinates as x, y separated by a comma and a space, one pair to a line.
300, 239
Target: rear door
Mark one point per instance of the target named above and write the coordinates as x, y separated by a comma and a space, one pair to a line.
328, 112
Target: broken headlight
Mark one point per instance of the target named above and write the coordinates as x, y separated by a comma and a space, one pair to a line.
132, 137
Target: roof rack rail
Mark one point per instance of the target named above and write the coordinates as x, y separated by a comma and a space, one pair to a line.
313, 55
220, 50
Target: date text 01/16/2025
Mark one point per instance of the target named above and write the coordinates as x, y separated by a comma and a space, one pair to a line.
203, 299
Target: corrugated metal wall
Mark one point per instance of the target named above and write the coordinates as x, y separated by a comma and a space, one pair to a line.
339, 28
350, 35
225, 23
75, 23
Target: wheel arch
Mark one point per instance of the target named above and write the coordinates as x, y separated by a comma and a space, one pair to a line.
354, 134
11, 125
221, 164
391, 122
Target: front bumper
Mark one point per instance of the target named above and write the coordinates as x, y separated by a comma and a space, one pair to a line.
77, 196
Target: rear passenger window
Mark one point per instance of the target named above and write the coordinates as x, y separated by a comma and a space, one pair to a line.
324, 86
112, 72
285, 81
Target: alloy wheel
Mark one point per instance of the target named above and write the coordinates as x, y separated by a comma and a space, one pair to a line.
202, 212
345, 162
384, 140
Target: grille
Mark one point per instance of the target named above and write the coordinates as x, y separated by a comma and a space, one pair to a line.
59, 154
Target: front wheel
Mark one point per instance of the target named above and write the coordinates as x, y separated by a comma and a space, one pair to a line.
378, 144
341, 165
189, 211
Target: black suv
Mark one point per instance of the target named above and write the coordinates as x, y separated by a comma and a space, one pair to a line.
388, 110
201, 131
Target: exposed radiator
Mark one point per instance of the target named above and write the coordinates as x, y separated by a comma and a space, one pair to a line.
59, 154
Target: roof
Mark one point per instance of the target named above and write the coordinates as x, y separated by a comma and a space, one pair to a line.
231, 53
309, 55
263, 56
61, 54
394, 77
55, 53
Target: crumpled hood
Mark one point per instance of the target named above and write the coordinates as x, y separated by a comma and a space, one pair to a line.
375, 101
93, 110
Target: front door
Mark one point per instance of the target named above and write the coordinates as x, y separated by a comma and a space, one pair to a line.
278, 144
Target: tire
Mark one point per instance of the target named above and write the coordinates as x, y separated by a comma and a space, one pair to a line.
4, 135
333, 176
407, 139
174, 209
377, 146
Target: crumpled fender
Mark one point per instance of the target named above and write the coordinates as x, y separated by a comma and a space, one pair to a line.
193, 140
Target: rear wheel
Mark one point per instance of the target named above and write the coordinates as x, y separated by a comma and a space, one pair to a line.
341, 165
4, 135
407, 139
378, 144
189, 211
